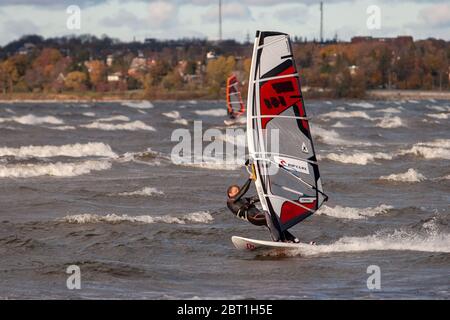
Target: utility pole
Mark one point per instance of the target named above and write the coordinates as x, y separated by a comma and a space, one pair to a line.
220, 20
321, 22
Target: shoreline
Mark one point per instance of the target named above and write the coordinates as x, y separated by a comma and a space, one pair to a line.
132, 96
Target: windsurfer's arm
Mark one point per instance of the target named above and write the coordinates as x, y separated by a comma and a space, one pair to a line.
244, 190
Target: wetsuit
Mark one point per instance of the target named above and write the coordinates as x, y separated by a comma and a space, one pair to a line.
244, 208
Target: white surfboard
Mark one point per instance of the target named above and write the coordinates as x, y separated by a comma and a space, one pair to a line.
251, 244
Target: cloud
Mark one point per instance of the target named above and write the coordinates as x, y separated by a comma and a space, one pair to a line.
124, 18
294, 13
17, 28
230, 11
162, 13
436, 16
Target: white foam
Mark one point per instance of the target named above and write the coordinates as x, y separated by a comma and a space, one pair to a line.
138, 105
58, 169
353, 213
333, 138
389, 110
130, 126
216, 163
413, 101
437, 149
365, 105
240, 139
62, 128
89, 114
114, 118
360, 158
77, 150
440, 116
183, 122
195, 217
399, 240
346, 114
31, 119
211, 112
390, 122
409, 176
147, 191
172, 114
438, 108
177, 117
339, 124
193, 101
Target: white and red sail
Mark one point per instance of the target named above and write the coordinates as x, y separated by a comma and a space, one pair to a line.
293, 191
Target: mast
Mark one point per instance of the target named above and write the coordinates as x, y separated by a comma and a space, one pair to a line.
321, 22
220, 20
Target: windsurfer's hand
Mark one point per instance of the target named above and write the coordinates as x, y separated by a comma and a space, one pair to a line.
252, 176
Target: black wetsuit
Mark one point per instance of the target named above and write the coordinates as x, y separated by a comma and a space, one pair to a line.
244, 208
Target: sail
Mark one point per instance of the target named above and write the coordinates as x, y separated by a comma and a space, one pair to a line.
279, 138
234, 100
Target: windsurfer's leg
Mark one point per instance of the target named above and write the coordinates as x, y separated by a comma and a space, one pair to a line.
256, 217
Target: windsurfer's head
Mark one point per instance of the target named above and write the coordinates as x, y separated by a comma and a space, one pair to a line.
233, 190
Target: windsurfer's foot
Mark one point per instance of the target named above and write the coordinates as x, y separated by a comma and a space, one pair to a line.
313, 243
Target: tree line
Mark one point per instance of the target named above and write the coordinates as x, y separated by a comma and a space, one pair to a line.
199, 68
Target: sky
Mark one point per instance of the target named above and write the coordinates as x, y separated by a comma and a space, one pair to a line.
173, 19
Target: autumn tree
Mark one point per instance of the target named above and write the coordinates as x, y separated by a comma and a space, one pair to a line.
217, 72
76, 80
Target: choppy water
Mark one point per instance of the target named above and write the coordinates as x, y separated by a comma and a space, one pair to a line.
94, 185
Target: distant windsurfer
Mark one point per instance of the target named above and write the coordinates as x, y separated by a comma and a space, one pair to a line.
245, 209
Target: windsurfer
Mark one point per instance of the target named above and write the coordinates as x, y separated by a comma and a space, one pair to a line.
245, 209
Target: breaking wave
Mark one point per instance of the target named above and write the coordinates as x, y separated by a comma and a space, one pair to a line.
176, 116
361, 158
409, 176
130, 126
353, 213
147, 191
211, 163
77, 150
114, 118
390, 122
138, 105
430, 240
339, 124
195, 217
390, 110
58, 169
333, 138
439, 108
212, 112
31, 119
365, 105
439, 116
342, 115
62, 128
437, 149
